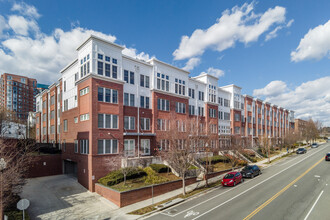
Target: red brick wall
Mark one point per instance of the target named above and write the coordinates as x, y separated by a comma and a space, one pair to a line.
122, 199
46, 165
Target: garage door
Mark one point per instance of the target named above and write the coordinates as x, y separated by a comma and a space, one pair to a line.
70, 168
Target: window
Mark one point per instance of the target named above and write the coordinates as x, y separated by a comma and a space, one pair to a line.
84, 147
100, 56
181, 126
201, 111
84, 117
64, 86
52, 100
237, 117
129, 99
212, 113
226, 102
76, 120
107, 70
114, 71
163, 144
107, 121
23, 80
52, 114
226, 116
129, 123
84, 91
107, 95
109, 146
52, 129
237, 130
163, 124
145, 124
180, 107
201, 96
126, 76
180, 87
76, 146
220, 115
163, 104
213, 128
144, 102
114, 61
145, 146
131, 78
144, 81
191, 93
44, 104
65, 124
191, 110
163, 82
99, 68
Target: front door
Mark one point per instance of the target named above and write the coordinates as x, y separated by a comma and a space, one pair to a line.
129, 145
145, 146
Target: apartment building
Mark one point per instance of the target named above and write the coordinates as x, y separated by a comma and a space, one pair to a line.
106, 103
299, 126
17, 94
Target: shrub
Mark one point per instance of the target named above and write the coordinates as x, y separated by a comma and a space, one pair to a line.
216, 159
252, 159
160, 168
117, 176
153, 177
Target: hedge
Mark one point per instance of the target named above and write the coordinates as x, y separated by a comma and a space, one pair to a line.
160, 168
117, 176
216, 159
153, 177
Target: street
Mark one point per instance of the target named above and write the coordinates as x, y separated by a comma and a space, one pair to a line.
296, 187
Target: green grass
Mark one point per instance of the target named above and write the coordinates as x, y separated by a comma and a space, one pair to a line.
14, 215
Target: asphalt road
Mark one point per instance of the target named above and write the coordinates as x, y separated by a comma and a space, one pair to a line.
296, 187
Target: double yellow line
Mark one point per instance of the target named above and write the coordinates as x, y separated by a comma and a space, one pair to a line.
280, 192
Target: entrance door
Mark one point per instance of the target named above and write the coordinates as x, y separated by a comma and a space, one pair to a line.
129, 145
145, 146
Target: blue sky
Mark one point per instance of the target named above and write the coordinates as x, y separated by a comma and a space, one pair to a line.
276, 50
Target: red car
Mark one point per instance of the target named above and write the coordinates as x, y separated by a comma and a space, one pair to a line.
232, 178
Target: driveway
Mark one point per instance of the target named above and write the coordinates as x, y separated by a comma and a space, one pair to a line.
62, 197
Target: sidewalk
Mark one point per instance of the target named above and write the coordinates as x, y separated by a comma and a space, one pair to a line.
262, 162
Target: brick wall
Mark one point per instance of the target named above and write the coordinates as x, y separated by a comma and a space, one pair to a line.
46, 165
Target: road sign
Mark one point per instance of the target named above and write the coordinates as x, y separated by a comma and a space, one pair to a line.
23, 204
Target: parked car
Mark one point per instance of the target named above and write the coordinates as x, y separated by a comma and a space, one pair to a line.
301, 151
251, 171
232, 178
327, 157
314, 145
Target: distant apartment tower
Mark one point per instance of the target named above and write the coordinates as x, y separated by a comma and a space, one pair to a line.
17, 94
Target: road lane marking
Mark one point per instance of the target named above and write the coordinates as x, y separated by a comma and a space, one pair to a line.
191, 213
243, 191
281, 191
317, 176
310, 211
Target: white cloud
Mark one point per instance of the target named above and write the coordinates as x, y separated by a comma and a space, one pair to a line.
21, 25
132, 52
314, 45
274, 88
310, 99
240, 24
26, 50
215, 72
25, 9
192, 63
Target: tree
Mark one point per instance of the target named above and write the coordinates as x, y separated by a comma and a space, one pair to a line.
265, 145
290, 139
311, 131
17, 155
181, 146
234, 149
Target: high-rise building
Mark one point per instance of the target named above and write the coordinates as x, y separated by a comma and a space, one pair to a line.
18, 94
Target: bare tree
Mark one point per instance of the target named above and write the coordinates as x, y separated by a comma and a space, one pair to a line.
17, 156
236, 146
311, 131
290, 139
265, 145
182, 146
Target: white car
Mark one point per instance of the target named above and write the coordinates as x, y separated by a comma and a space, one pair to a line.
314, 145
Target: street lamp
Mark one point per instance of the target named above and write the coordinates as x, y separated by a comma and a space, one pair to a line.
3, 165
